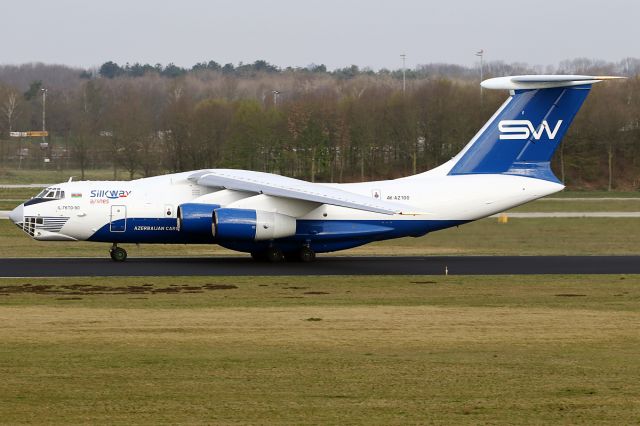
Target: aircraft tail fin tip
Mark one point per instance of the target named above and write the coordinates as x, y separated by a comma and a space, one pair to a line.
522, 136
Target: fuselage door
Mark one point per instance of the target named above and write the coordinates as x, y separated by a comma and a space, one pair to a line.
118, 218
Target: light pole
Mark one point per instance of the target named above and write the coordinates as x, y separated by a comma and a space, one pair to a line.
44, 143
404, 77
480, 53
44, 109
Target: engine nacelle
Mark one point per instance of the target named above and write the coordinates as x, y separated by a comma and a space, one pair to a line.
196, 218
252, 225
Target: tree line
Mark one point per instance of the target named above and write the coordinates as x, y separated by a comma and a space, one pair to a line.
335, 126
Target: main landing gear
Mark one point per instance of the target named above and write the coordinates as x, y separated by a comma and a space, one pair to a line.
306, 255
272, 255
118, 254
275, 255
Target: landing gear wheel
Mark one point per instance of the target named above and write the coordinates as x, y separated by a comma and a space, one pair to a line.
274, 255
306, 255
118, 254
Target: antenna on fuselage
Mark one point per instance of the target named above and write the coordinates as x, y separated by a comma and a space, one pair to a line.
70, 179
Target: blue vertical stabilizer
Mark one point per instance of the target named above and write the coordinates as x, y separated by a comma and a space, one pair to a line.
522, 137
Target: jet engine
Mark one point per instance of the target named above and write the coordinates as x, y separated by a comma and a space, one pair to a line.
196, 218
252, 225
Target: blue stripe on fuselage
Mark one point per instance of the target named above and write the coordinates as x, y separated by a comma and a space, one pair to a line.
322, 235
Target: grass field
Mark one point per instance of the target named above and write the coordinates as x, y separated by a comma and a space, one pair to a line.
568, 205
26, 176
328, 350
17, 194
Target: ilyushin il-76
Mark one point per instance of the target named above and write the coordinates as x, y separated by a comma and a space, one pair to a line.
272, 217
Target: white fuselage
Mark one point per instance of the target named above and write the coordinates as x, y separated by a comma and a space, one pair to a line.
91, 206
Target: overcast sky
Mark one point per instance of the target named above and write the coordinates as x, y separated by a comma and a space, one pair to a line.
337, 33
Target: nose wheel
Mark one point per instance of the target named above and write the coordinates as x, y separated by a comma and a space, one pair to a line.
118, 254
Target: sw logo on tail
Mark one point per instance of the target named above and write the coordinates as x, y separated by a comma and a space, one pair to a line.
523, 129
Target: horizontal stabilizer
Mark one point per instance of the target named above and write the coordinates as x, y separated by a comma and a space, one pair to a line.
525, 82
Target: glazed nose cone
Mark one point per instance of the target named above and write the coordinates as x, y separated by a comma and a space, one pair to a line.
17, 214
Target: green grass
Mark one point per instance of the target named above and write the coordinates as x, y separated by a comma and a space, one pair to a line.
321, 350
613, 292
8, 205
567, 193
557, 236
553, 205
47, 176
18, 193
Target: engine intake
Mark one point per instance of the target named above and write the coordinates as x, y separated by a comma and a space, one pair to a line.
196, 218
252, 225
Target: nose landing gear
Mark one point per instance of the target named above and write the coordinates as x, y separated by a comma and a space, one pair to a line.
118, 254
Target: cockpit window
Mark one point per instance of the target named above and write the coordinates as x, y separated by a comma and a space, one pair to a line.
51, 194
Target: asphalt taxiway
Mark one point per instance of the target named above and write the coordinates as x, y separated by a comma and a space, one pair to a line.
324, 265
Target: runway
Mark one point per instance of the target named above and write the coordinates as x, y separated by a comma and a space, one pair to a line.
324, 265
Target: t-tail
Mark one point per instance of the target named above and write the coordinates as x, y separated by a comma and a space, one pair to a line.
523, 134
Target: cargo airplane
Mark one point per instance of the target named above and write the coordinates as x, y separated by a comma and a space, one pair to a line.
272, 217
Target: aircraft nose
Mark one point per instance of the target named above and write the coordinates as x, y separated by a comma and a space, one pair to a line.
17, 215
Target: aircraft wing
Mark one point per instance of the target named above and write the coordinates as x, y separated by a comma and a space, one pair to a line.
285, 187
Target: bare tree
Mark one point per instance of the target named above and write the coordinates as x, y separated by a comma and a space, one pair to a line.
10, 109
